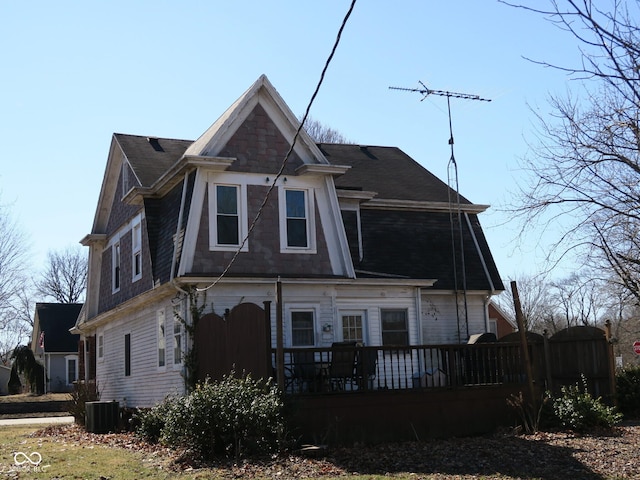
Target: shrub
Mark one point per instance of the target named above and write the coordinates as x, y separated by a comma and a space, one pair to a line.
150, 422
82, 392
628, 390
233, 417
578, 410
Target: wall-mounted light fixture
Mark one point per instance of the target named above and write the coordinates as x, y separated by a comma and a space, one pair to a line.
327, 327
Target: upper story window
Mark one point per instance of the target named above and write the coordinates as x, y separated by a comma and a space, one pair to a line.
136, 251
115, 267
297, 230
227, 219
228, 225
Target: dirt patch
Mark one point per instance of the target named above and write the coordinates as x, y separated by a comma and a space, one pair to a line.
545, 455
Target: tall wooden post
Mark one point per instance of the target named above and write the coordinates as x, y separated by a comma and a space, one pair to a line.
523, 343
279, 337
612, 364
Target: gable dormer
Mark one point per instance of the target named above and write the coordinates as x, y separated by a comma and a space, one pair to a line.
299, 231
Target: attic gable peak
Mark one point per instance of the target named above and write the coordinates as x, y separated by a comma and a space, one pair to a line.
262, 93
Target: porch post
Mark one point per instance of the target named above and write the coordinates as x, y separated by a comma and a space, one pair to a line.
279, 336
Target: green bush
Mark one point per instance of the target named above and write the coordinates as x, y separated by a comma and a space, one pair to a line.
233, 417
578, 410
149, 422
628, 390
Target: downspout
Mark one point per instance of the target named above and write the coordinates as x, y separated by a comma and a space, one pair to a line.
486, 272
172, 277
176, 238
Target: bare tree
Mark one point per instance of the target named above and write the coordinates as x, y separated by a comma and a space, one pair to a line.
323, 134
533, 291
553, 305
585, 169
13, 282
65, 276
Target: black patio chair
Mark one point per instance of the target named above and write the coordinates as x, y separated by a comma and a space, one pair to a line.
366, 365
342, 366
304, 373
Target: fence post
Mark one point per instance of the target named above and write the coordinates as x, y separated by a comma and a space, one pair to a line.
611, 361
547, 360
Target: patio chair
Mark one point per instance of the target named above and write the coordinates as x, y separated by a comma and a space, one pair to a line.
342, 366
304, 370
366, 364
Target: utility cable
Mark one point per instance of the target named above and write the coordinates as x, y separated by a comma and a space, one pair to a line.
289, 152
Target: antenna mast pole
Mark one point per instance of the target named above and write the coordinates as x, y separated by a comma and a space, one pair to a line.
452, 166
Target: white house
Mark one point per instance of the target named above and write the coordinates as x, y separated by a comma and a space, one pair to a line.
366, 243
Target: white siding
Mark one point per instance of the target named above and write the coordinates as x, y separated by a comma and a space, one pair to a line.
147, 384
439, 319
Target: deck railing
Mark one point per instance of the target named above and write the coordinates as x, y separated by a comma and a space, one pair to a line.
351, 368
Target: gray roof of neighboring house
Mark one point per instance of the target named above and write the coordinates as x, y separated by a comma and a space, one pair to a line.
55, 320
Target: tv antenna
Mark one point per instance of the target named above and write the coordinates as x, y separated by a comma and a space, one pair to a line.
452, 167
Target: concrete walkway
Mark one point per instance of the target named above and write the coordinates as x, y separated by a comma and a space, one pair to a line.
35, 420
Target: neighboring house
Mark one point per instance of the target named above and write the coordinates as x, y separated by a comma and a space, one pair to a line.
360, 238
500, 323
5, 375
54, 346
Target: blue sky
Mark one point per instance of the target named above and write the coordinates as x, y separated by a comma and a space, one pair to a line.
76, 72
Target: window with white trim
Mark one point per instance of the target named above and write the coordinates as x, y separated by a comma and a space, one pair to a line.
228, 216
136, 251
177, 342
297, 228
71, 363
115, 267
302, 328
161, 339
395, 328
352, 327
100, 347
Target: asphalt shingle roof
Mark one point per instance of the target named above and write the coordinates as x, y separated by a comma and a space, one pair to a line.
55, 321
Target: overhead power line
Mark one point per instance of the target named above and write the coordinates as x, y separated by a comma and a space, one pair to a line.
289, 152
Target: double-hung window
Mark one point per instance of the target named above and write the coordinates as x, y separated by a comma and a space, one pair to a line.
161, 340
136, 250
115, 267
100, 347
297, 232
177, 342
227, 219
228, 215
395, 329
302, 328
